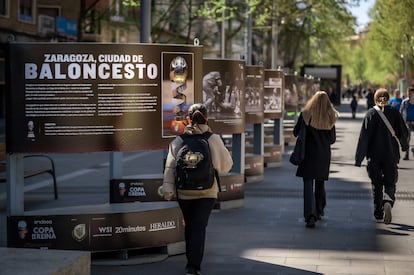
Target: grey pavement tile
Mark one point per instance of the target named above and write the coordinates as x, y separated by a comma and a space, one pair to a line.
354, 270
267, 236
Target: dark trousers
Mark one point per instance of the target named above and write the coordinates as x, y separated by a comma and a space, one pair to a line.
314, 198
410, 125
196, 213
384, 176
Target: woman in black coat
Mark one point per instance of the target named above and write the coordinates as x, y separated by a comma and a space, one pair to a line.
319, 117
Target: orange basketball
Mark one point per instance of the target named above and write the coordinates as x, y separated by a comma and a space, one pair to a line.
177, 127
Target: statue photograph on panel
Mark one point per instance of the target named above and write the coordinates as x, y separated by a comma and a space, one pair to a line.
223, 94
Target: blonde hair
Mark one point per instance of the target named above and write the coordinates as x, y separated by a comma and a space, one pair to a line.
319, 112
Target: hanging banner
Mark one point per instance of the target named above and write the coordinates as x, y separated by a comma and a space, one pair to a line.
90, 97
223, 94
145, 188
254, 94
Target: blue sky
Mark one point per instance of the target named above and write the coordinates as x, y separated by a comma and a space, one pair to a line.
361, 12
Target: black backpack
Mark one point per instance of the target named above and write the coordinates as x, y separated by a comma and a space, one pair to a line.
194, 170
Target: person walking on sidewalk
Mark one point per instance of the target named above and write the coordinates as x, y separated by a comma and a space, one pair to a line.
379, 145
354, 105
396, 100
196, 205
407, 112
370, 98
319, 116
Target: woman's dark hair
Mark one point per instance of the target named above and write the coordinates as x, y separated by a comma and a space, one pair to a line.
198, 113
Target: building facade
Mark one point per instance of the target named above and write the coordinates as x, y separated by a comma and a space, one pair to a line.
63, 21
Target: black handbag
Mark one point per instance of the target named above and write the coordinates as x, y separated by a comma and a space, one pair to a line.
298, 153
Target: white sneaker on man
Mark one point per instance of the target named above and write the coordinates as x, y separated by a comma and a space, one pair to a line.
387, 213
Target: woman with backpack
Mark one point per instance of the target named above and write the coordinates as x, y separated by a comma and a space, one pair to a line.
196, 199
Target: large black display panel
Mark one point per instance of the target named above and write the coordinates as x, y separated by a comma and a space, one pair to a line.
223, 94
89, 97
254, 94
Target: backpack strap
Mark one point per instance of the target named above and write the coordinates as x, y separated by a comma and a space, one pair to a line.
207, 135
386, 122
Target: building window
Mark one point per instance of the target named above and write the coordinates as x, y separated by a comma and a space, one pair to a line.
92, 23
4, 7
26, 11
52, 11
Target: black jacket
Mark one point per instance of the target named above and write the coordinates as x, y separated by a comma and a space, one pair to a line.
317, 152
375, 140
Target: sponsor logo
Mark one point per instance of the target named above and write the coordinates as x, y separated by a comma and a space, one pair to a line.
79, 232
121, 189
22, 229
159, 226
257, 164
236, 186
129, 229
104, 231
136, 191
43, 233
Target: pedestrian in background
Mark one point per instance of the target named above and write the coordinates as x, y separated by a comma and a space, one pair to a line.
331, 95
354, 105
196, 205
407, 112
379, 145
396, 100
319, 116
370, 98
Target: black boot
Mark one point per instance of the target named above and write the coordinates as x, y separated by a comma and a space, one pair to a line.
310, 223
406, 156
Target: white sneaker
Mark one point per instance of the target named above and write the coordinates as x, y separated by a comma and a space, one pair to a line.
387, 213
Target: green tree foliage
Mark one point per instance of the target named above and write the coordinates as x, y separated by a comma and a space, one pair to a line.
390, 40
359, 65
88, 20
307, 30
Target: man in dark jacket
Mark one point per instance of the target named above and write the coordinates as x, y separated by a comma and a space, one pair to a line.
380, 146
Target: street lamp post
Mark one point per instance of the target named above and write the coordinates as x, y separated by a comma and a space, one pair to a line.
249, 37
145, 21
274, 44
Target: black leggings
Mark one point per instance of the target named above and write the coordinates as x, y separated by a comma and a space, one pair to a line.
196, 214
314, 202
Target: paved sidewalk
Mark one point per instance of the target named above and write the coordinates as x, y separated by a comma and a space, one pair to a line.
268, 235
